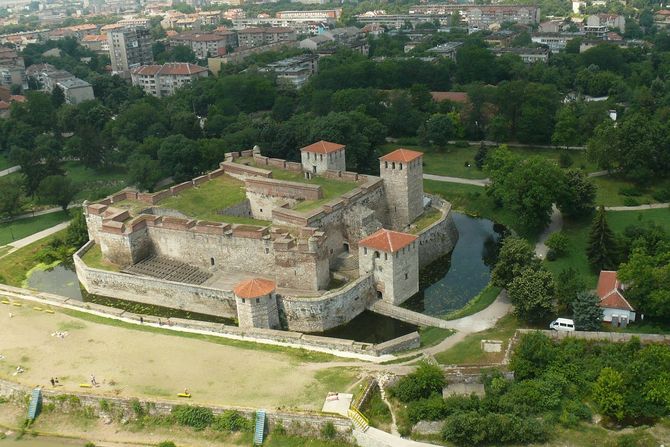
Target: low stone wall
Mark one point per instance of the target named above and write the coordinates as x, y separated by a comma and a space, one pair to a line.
308, 424
404, 343
612, 337
283, 188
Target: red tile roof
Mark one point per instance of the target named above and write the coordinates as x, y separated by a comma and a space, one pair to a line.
323, 147
460, 97
254, 288
401, 156
18, 98
175, 68
609, 291
387, 240
95, 38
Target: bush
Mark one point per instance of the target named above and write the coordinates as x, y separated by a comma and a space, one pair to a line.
89, 444
629, 201
328, 431
137, 408
573, 412
435, 408
232, 421
662, 195
195, 417
565, 160
551, 255
473, 429
558, 243
166, 444
630, 191
423, 382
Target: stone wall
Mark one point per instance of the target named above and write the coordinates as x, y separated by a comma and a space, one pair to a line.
330, 310
440, 237
306, 424
154, 291
242, 209
613, 337
258, 312
283, 188
396, 275
404, 343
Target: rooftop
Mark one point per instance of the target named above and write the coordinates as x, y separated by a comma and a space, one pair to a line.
609, 291
387, 240
172, 68
322, 147
254, 288
401, 156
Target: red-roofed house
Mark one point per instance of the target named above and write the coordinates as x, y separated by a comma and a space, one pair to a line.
322, 156
616, 309
392, 258
164, 80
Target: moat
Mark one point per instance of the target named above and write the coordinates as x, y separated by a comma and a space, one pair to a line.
445, 285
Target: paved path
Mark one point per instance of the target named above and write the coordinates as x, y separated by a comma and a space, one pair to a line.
556, 224
653, 206
41, 212
9, 170
598, 174
463, 181
35, 237
373, 437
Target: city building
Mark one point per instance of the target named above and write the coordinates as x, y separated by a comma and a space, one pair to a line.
295, 70
528, 55
206, 45
76, 90
255, 37
313, 15
97, 43
448, 49
12, 69
164, 80
129, 48
554, 41
598, 25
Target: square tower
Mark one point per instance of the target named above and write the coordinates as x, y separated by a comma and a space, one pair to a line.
322, 156
393, 259
402, 172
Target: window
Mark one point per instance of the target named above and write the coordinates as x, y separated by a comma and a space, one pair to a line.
386, 257
211, 260
258, 300
400, 166
377, 254
365, 250
267, 250
393, 165
406, 276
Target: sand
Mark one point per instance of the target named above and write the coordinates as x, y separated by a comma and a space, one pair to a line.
128, 362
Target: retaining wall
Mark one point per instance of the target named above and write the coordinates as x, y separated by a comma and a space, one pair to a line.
439, 238
613, 337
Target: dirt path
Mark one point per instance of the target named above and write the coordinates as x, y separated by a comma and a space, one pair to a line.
556, 224
653, 206
127, 362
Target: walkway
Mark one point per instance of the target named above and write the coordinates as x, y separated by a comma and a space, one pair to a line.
408, 316
35, 237
463, 181
41, 212
373, 437
556, 224
8, 171
653, 206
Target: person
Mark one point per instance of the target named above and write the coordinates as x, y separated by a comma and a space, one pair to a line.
186, 391
93, 382
53, 382
141, 320
56, 381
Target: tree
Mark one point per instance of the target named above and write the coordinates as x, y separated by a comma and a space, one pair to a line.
532, 355
587, 313
77, 232
57, 97
566, 131
480, 156
56, 189
438, 130
426, 380
143, 172
646, 275
557, 243
579, 196
533, 293
608, 393
515, 255
601, 249
12, 192
571, 285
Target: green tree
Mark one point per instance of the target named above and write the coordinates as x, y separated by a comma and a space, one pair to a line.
648, 283
480, 156
77, 232
579, 196
533, 293
425, 381
516, 254
608, 393
557, 243
57, 97
532, 356
587, 314
143, 172
602, 248
12, 193
438, 130
571, 284
56, 189
566, 131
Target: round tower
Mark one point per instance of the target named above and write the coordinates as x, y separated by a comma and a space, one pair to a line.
257, 303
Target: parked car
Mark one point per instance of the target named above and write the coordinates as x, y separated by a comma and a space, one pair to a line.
562, 324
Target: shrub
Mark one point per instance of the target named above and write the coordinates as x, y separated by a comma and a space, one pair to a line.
629, 201
195, 417
565, 160
630, 191
232, 421
279, 428
471, 428
328, 431
551, 255
89, 444
435, 408
662, 195
558, 243
166, 444
423, 382
137, 408
104, 405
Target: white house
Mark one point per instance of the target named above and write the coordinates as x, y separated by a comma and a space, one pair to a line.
616, 309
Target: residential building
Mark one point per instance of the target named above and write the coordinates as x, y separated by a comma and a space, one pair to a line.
206, 45
214, 63
295, 70
164, 80
446, 49
598, 25
314, 15
550, 26
457, 97
255, 37
12, 68
129, 48
76, 90
616, 309
97, 43
528, 55
554, 41
662, 18
502, 38
51, 78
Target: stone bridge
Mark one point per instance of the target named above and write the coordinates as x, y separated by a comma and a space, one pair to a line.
408, 316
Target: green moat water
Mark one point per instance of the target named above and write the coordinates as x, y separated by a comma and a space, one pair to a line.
445, 285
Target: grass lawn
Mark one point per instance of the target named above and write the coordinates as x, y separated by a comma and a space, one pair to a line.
95, 184
610, 187
469, 351
452, 160
25, 227
93, 258
204, 201
4, 163
578, 234
430, 336
425, 220
13, 267
331, 188
377, 412
478, 303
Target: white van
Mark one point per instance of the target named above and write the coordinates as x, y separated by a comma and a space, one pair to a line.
562, 324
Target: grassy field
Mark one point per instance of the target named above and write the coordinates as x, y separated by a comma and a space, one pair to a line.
204, 201
377, 412
13, 267
578, 233
430, 336
18, 229
469, 351
95, 184
93, 258
610, 188
452, 160
4, 163
478, 303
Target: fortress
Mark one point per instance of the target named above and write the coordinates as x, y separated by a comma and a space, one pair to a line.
274, 244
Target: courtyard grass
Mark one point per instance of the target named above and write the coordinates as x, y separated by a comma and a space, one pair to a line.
204, 201
13, 267
429, 217
485, 298
94, 259
18, 229
469, 351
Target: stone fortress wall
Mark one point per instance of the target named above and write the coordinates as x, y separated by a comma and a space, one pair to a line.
298, 259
